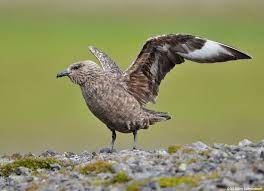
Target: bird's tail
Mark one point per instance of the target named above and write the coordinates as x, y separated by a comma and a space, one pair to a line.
156, 116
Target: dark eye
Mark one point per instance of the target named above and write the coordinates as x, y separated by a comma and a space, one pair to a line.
76, 66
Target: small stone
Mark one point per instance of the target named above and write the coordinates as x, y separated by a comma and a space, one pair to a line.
229, 183
29, 179
261, 143
75, 175
244, 143
233, 169
49, 153
55, 167
106, 150
69, 154
200, 146
105, 176
218, 145
153, 185
262, 155
22, 171
183, 167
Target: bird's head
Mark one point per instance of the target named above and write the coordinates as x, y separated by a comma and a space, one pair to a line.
80, 72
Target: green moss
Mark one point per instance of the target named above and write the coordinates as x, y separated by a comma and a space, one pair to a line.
99, 182
193, 160
166, 182
136, 185
205, 153
120, 177
187, 150
97, 167
133, 187
213, 175
28, 162
174, 148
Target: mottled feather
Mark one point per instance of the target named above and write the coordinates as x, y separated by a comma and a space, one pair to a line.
161, 53
107, 63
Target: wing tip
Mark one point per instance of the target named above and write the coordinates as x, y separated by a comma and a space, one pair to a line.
241, 55
244, 56
238, 55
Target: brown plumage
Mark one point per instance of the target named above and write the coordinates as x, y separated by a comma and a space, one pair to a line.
117, 98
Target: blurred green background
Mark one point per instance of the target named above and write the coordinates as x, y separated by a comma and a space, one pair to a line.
211, 103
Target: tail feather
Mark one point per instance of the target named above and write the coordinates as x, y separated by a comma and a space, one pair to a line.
156, 116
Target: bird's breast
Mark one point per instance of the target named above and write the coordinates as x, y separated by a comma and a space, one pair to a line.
112, 104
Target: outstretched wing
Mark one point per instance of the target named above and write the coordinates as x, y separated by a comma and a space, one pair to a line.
160, 54
106, 62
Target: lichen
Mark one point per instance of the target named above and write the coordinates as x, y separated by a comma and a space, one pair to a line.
32, 163
120, 177
166, 182
97, 167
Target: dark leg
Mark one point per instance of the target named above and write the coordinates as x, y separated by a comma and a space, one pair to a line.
135, 140
111, 149
113, 140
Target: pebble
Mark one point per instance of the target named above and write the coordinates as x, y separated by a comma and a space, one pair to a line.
200, 146
183, 167
55, 167
22, 171
49, 153
244, 143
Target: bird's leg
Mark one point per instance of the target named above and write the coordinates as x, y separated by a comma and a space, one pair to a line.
113, 140
135, 139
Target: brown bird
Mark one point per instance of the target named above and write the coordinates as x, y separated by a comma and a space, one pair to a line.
118, 98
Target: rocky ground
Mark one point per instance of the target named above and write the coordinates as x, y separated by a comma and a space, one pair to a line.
180, 167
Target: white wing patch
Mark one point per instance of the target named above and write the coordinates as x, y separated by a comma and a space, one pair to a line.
209, 50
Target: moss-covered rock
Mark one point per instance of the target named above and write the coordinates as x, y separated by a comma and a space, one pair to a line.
32, 163
174, 148
133, 187
137, 185
205, 153
97, 167
120, 177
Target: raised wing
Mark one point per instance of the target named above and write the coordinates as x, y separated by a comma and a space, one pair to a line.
106, 62
160, 54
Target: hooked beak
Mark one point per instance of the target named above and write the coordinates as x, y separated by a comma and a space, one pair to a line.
63, 73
